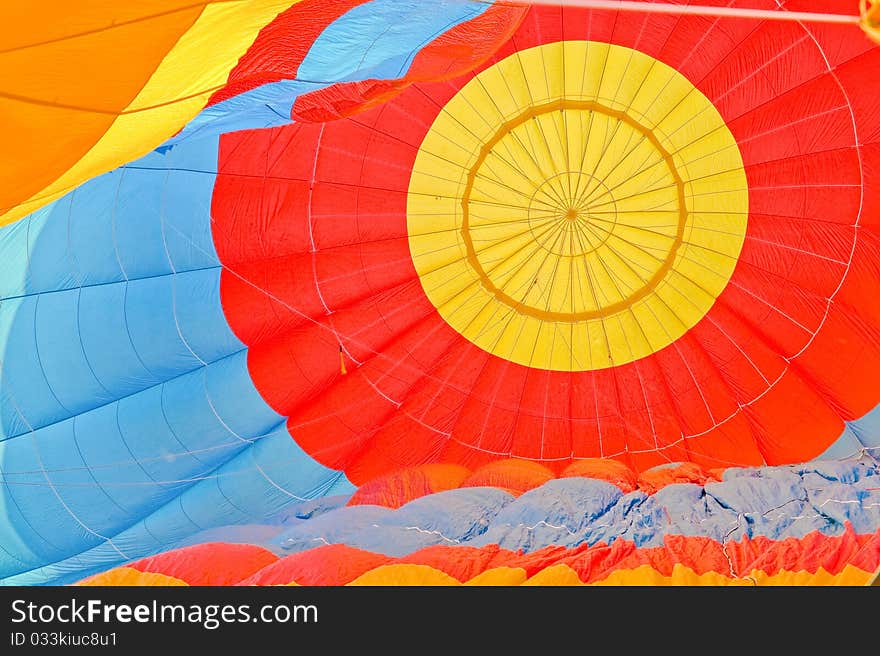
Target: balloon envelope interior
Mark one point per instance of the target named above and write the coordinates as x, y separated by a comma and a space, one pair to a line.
440, 284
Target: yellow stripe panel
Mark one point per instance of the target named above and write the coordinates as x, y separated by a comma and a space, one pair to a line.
128, 576
848, 576
500, 576
645, 575
405, 574
179, 88
556, 575
681, 575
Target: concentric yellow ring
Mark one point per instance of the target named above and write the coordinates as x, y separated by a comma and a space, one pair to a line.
576, 206
566, 217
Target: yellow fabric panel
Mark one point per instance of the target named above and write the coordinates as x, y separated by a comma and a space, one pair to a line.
128, 576
560, 229
682, 575
148, 79
499, 576
848, 576
555, 575
404, 574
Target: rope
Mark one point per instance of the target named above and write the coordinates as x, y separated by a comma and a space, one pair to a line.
870, 18
730, 12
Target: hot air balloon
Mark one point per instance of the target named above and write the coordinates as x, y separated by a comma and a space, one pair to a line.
382, 292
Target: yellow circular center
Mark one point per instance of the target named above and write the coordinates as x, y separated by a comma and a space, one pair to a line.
571, 216
576, 206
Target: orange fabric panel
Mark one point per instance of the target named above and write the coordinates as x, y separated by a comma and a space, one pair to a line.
395, 489
658, 477
612, 471
498, 576
515, 475
63, 87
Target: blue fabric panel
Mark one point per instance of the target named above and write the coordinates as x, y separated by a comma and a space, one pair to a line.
447, 518
860, 434
845, 446
55, 263
569, 512
845, 471
776, 502
867, 429
266, 106
379, 39
839, 504
28, 400
125, 396
15, 253
145, 490
684, 511
336, 527
74, 350
558, 513
185, 178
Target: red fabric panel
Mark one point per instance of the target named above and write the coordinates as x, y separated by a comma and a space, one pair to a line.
731, 443
313, 238
210, 563
784, 435
466, 45
281, 46
867, 557
870, 202
343, 99
454, 52
461, 563
809, 553
534, 561
596, 562
701, 554
334, 564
